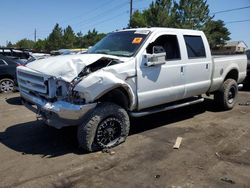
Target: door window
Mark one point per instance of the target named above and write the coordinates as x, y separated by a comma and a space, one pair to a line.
170, 45
195, 46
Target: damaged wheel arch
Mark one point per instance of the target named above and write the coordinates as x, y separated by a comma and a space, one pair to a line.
107, 85
118, 95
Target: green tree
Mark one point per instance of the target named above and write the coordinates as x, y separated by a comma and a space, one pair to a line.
159, 14
69, 38
216, 32
79, 40
9, 45
25, 43
91, 38
188, 14
40, 45
191, 14
55, 39
139, 19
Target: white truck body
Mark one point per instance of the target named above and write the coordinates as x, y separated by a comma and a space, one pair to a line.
65, 88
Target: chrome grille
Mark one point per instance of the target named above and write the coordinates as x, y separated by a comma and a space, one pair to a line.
30, 81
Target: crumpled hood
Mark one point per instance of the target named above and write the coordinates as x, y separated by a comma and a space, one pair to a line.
65, 67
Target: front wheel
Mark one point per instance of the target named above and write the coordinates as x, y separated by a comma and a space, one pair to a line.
227, 95
105, 127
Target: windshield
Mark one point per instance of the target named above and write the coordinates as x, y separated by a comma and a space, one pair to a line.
124, 43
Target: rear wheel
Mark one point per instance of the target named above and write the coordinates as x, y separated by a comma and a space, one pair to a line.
227, 95
7, 85
105, 127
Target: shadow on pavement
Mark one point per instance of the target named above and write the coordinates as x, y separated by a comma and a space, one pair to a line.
38, 139
14, 101
164, 118
246, 86
35, 138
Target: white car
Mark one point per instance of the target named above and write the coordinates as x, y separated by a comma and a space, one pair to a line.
132, 72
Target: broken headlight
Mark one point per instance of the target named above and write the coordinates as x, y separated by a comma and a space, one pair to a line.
77, 98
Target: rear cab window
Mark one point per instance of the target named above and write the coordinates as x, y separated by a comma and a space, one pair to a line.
195, 46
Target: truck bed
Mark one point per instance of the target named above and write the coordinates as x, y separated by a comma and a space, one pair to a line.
221, 66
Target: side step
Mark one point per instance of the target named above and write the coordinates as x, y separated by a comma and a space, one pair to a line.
191, 101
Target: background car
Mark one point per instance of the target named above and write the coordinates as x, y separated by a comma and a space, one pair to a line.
12, 53
8, 73
248, 62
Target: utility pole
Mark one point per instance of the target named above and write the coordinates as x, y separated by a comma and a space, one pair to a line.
131, 12
35, 35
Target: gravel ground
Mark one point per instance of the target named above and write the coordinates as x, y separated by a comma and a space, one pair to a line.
214, 152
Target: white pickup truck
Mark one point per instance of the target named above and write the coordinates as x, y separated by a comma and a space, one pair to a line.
132, 72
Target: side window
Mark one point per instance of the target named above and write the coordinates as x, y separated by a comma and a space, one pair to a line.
170, 45
195, 46
2, 62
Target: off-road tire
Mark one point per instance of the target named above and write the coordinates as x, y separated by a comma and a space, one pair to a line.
226, 96
87, 131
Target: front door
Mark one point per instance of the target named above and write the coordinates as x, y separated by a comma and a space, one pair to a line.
161, 83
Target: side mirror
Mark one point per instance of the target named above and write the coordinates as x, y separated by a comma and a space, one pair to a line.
158, 57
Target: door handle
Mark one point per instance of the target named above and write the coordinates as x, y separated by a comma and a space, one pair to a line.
206, 66
182, 69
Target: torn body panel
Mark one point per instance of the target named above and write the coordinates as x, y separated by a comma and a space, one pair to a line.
66, 67
97, 84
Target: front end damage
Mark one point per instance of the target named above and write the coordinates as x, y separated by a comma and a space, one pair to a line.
57, 114
63, 97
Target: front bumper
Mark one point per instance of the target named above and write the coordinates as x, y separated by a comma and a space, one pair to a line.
57, 114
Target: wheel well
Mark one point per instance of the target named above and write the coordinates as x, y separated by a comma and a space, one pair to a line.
6, 76
118, 96
233, 74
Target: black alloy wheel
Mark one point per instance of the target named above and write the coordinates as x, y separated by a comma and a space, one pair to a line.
108, 132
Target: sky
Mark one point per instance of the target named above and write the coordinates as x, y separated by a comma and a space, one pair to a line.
19, 19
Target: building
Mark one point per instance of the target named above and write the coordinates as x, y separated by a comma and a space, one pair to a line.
231, 47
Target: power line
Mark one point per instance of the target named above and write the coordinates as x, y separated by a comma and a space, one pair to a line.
91, 11
119, 6
125, 3
104, 13
88, 21
237, 21
230, 10
107, 20
86, 13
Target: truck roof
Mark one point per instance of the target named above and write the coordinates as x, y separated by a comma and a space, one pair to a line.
166, 29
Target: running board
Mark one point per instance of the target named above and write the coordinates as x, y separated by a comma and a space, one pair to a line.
165, 108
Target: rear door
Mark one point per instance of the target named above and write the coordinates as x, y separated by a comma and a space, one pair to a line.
198, 67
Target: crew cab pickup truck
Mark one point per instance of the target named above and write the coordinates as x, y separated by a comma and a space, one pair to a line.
132, 72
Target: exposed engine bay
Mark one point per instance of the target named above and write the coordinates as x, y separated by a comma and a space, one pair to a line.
99, 64
75, 97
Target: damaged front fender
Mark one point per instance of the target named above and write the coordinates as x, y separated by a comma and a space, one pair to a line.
96, 85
